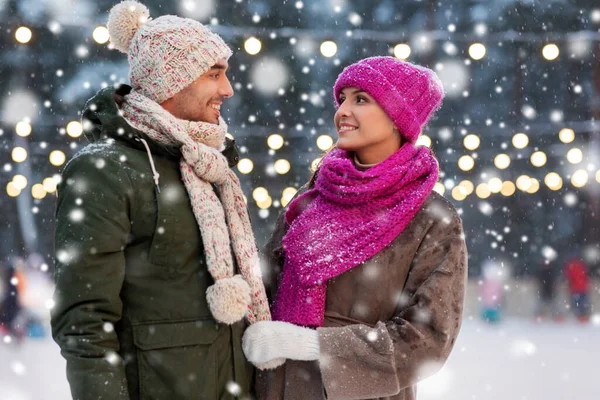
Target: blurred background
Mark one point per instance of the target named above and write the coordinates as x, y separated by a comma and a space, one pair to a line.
517, 140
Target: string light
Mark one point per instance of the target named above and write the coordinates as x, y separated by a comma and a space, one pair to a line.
458, 193
579, 178
19, 154
324, 142
328, 48
535, 186
524, 183
19, 181
483, 191
495, 185
282, 166
575, 156
74, 129
508, 188
287, 195
49, 185
553, 181
260, 194
440, 188
275, 141
466, 163
477, 51
423, 140
402, 51
502, 161
566, 135
467, 186
23, 35
12, 190
520, 140
471, 142
101, 35
38, 192
57, 158
550, 52
264, 204
538, 159
245, 166
23, 128
252, 46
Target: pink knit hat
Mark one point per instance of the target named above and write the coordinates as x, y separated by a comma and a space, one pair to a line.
408, 93
165, 54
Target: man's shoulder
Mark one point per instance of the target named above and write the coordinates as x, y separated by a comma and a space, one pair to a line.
103, 161
101, 154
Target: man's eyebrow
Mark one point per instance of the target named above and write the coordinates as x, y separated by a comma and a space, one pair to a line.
219, 67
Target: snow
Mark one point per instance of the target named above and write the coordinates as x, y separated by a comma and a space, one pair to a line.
19, 105
521, 360
517, 359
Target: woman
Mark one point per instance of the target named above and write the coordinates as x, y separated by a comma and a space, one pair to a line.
373, 262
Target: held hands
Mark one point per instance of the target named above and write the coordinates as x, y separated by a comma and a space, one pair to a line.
267, 344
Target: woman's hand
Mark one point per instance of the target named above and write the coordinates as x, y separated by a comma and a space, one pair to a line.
267, 344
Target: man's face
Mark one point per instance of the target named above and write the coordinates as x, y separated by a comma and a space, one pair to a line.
201, 101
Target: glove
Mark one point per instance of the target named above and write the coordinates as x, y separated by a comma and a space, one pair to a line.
266, 341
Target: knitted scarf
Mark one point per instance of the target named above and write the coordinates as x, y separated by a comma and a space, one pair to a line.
223, 222
351, 216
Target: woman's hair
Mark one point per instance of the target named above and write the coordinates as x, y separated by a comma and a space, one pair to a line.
315, 172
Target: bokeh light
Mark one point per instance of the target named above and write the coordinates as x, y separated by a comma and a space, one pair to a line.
252, 46
477, 51
245, 166
57, 158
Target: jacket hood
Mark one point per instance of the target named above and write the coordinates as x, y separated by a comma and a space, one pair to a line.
102, 120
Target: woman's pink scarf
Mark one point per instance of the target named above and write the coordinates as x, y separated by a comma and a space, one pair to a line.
353, 215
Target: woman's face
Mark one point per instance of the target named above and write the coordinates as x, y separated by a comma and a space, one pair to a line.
363, 127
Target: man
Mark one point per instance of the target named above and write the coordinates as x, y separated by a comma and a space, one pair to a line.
156, 262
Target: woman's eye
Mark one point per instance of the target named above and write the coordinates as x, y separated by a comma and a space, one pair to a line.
360, 99
342, 99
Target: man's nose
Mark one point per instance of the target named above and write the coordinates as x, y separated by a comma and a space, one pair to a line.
225, 89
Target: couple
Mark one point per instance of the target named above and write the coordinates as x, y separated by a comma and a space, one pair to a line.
158, 290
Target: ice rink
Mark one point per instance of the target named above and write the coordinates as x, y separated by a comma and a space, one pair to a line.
518, 360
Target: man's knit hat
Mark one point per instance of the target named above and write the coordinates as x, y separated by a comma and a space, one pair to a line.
408, 93
165, 54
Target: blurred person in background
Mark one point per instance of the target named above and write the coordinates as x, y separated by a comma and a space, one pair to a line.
13, 284
547, 281
578, 278
491, 292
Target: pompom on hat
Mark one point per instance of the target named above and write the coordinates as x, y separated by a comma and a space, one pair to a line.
165, 54
408, 93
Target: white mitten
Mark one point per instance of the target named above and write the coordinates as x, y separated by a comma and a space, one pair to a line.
266, 341
276, 363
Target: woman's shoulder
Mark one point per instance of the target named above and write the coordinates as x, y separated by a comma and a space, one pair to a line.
440, 215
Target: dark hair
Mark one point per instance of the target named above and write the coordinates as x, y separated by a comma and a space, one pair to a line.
315, 173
